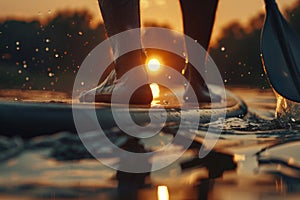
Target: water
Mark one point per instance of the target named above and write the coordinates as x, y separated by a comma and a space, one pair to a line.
256, 157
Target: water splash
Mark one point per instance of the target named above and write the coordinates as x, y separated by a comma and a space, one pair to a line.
287, 112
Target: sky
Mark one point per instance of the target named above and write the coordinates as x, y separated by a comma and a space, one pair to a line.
161, 11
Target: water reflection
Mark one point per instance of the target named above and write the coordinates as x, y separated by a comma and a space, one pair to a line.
58, 166
155, 90
282, 161
136, 185
163, 193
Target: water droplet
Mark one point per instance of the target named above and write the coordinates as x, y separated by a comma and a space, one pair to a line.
24, 66
17, 43
19, 71
86, 43
18, 48
36, 50
27, 78
47, 49
16, 99
242, 75
225, 81
223, 49
56, 55
82, 83
169, 77
52, 83
80, 33
51, 74
47, 40
183, 71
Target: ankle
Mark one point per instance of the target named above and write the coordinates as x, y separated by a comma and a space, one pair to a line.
128, 61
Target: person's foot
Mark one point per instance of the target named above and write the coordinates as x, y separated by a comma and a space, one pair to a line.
201, 95
196, 90
105, 88
120, 87
127, 74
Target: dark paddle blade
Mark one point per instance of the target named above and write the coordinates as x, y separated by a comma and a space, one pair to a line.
280, 45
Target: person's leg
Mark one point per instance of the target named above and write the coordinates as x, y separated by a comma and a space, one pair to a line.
198, 20
119, 16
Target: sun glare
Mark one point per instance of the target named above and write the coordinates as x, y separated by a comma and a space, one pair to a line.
163, 193
155, 90
153, 65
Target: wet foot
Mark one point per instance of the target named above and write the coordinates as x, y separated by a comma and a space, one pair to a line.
121, 88
199, 93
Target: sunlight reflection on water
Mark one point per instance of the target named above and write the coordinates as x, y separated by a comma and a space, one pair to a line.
242, 139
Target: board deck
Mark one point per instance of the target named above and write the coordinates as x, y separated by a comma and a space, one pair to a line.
41, 113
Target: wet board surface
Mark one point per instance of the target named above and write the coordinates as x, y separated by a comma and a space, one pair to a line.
33, 113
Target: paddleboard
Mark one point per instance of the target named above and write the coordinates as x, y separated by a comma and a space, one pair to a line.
33, 113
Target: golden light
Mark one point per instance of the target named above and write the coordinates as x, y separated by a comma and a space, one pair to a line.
239, 157
153, 64
155, 90
163, 193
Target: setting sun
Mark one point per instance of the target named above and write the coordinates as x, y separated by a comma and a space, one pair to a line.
153, 64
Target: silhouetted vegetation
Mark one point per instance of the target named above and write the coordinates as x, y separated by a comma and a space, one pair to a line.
46, 56
36, 55
237, 53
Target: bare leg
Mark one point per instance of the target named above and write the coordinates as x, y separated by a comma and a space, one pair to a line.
198, 20
119, 16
